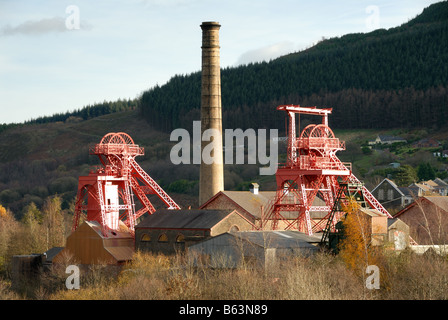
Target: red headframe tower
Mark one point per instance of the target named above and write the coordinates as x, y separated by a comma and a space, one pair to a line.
311, 169
106, 195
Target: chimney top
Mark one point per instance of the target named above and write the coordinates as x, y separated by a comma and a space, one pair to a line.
254, 188
210, 24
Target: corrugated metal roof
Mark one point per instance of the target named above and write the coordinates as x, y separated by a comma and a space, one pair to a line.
184, 219
278, 239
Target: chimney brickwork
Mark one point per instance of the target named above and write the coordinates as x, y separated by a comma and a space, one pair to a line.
211, 179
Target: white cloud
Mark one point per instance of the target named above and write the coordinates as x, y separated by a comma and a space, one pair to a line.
266, 53
43, 26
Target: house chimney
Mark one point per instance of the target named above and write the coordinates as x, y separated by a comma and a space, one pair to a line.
254, 188
211, 177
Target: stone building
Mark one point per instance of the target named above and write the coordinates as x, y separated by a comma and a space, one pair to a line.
393, 197
385, 139
398, 234
169, 231
251, 204
427, 218
377, 224
255, 205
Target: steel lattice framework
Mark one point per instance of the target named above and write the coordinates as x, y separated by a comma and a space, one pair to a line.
106, 195
312, 170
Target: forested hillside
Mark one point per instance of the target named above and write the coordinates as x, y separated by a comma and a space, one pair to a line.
84, 113
384, 82
395, 78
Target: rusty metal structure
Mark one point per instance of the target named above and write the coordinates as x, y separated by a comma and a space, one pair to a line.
108, 193
312, 170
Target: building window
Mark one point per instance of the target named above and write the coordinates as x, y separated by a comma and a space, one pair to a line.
381, 194
180, 238
234, 228
145, 238
163, 238
390, 194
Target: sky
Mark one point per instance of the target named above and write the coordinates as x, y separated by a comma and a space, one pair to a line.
58, 56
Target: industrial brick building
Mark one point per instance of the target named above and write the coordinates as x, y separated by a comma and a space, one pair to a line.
254, 204
250, 204
170, 231
377, 226
427, 218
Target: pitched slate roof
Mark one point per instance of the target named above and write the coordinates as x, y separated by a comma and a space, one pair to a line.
385, 180
390, 138
184, 219
249, 201
252, 203
439, 201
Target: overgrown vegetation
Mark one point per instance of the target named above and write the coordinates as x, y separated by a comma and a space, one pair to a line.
149, 276
36, 232
321, 277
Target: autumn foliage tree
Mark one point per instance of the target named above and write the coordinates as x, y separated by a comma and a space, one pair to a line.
7, 226
53, 222
37, 231
355, 249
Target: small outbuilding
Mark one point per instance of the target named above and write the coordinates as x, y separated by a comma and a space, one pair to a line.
377, 226
88, 245
263, 248
169, 231
398, 234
